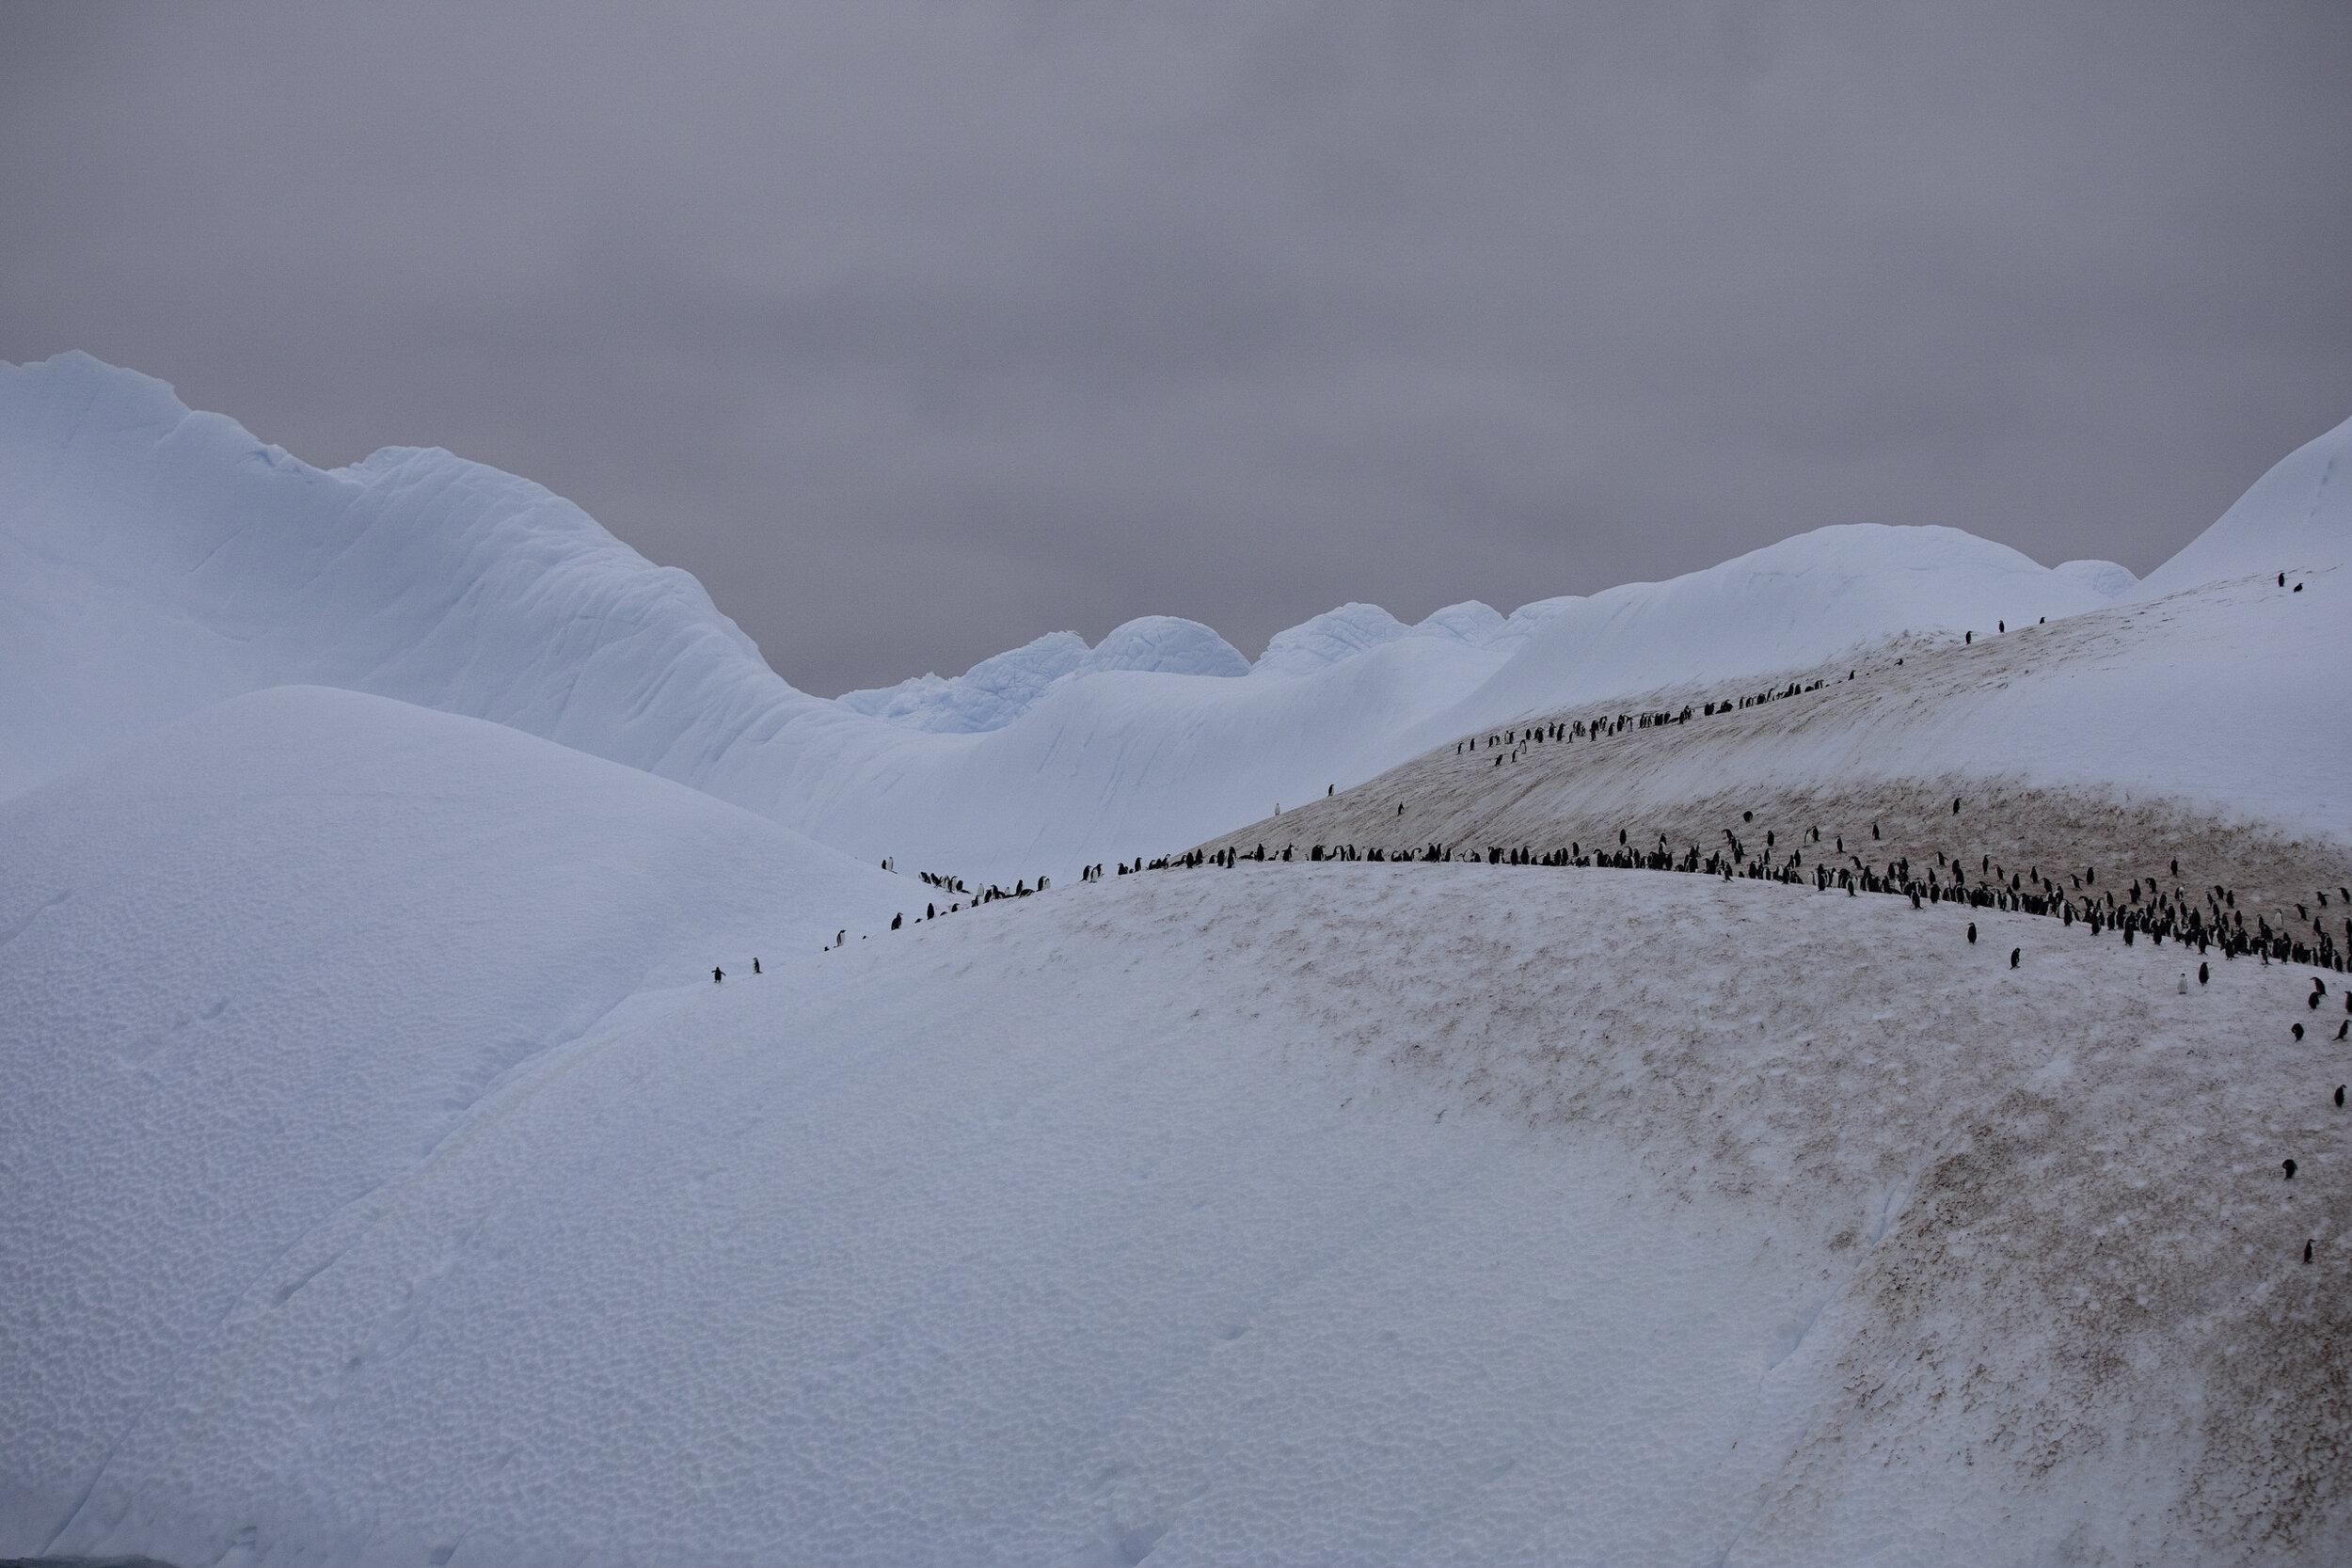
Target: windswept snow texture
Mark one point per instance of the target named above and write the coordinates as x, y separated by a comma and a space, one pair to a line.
1355, 1214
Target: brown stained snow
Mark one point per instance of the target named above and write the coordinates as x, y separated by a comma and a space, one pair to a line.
1816, 762
2058, 1257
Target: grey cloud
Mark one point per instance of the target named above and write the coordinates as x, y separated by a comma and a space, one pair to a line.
916, 330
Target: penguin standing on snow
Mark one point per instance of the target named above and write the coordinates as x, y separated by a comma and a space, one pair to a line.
717, 975
1972, 931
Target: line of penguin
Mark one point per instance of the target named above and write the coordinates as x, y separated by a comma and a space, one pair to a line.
2159, 916
1515, 741
2147, 909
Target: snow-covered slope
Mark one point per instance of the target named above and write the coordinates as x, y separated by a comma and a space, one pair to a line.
2297, 518
262, 967
152, 561
1790, 604
1286, 1215
382, 1180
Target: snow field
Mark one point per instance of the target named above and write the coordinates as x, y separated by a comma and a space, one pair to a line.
1366, 1213
258, 967
383, 1182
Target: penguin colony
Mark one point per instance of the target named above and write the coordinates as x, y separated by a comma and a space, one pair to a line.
2147, 910
2153, 907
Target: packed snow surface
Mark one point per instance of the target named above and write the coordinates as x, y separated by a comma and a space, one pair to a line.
1285, 1214
154, 560
274, 956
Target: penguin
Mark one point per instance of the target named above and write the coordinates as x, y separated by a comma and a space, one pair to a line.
2307, 1246
2184, 982
840, 937
2205, 973
2288, 1166
2282, 579
1955, 806
1972, 930
895, 920
931, 911
717, 975
2013, 954
2340, 1096
2299, 1031
2344, 1030
755, 966
1747, 816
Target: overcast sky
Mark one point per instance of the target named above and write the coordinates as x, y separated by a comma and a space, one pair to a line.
918, 329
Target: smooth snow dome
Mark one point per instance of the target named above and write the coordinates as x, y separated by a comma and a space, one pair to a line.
1167, 644
1785, 607
2103, 577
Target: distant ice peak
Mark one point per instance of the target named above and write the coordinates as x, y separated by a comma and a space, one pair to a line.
995, 691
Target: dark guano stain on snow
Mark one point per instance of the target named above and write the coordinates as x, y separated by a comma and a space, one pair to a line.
2094, 1257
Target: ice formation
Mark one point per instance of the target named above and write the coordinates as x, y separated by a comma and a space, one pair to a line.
386, 1179
157, 559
